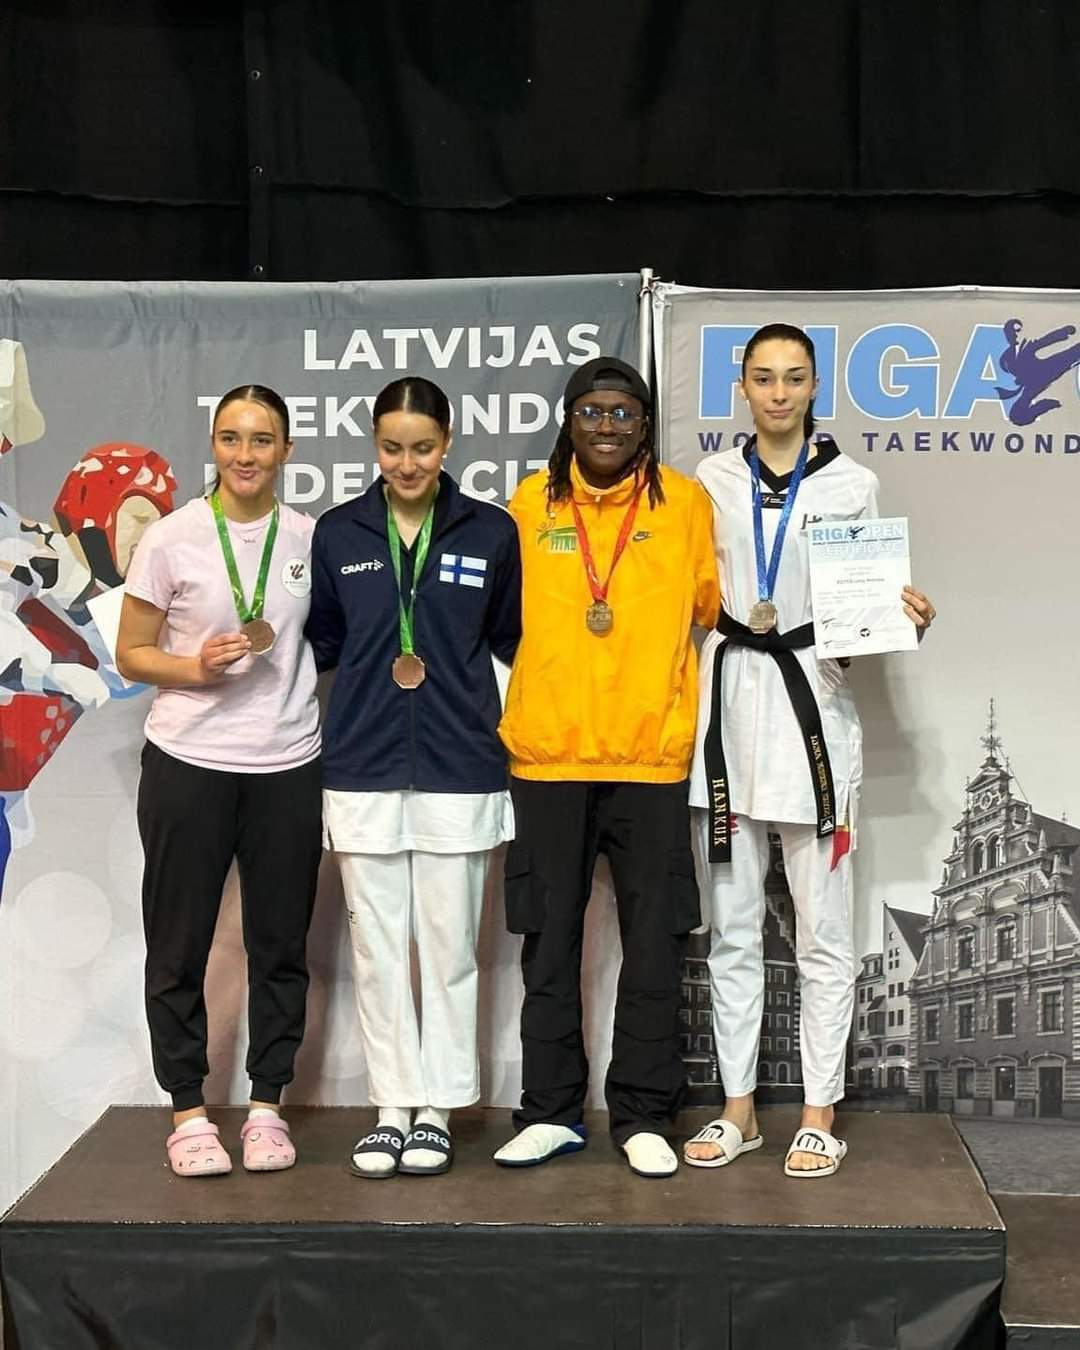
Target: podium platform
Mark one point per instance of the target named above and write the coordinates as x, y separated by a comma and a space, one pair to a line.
1041, 1305
902, 1248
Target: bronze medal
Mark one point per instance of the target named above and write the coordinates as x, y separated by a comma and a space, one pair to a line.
408, 671
260, 634
763, 617
600, 618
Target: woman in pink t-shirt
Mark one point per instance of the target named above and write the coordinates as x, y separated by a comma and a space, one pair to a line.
217, 597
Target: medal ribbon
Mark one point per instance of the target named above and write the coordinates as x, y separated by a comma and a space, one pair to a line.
244, 611
599, 592
766, 576
423, 540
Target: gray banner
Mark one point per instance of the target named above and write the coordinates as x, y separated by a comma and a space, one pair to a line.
145, 363
125, 377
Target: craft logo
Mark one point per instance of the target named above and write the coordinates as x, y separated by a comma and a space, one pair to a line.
372, 565
897, 371
559, 539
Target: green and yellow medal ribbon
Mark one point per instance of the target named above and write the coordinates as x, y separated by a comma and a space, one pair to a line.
245, 611
423, 541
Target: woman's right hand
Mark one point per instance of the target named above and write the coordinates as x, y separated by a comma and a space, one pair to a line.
218, 653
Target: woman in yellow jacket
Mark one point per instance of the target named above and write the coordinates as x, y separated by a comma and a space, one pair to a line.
617, 567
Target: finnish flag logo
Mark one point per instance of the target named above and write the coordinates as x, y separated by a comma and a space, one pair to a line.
464, 571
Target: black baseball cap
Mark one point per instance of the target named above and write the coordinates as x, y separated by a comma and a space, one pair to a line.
606, 372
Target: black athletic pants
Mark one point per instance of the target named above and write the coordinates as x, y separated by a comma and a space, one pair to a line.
644, 830
193, 822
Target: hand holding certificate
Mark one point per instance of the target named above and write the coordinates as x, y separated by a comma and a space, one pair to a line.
857, 570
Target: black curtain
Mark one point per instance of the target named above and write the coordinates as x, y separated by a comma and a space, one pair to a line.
818, 143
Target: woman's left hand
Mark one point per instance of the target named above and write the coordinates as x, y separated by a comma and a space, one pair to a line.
918, 609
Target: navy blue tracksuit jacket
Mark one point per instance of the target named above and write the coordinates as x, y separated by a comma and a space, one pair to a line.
441, 737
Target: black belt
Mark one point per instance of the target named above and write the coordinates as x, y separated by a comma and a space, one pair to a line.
781, 647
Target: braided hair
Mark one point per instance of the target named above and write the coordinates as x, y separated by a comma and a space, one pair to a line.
558, 488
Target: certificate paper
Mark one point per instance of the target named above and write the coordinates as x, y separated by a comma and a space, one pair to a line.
857, 571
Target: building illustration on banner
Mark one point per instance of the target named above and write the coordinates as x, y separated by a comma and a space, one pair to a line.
971, 1008
996, 1026
779, 1063
881, 1045
54, 664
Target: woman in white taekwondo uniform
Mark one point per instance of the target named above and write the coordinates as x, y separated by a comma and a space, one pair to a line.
779, 748
416, 586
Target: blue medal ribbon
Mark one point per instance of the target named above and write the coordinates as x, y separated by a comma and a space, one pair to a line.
766, 576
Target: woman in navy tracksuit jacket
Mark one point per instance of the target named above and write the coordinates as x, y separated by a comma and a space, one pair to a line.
416, 587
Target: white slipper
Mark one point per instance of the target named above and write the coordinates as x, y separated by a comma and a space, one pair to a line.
727, 1137
809, 1139
650, 1155
537, 1143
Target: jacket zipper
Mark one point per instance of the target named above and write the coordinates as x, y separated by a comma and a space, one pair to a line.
411, 696
412, 702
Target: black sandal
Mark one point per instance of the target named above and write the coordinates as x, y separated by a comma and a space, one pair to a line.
433, 1138
385, 1139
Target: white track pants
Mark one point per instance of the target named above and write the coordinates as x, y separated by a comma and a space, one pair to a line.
733, 900
436, 899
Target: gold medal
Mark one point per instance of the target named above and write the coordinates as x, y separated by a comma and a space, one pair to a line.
408, 671
260, 634
763, 617
600, 618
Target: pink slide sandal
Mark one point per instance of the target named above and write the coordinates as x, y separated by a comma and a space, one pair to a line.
198, 1153
267, 1146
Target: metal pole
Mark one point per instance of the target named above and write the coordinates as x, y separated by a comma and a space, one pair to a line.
645, 325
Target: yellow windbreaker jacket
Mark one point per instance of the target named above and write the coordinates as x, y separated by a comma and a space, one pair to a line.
622, 706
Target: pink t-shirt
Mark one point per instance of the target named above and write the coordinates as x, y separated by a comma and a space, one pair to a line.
261, 716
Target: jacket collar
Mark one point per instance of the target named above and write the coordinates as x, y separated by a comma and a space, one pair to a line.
451, 505
620, 493
825, 451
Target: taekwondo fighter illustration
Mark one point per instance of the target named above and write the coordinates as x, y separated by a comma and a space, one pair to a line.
1033, 372
54, 665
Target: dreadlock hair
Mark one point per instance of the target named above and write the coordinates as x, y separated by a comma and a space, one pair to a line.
558, 488
786, 332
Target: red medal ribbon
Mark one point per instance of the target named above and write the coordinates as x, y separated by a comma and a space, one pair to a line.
599, 593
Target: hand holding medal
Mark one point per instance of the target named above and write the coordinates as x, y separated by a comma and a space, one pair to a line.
220, 652
250, 443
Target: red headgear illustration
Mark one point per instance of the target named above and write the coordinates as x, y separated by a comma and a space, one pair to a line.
107, 501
